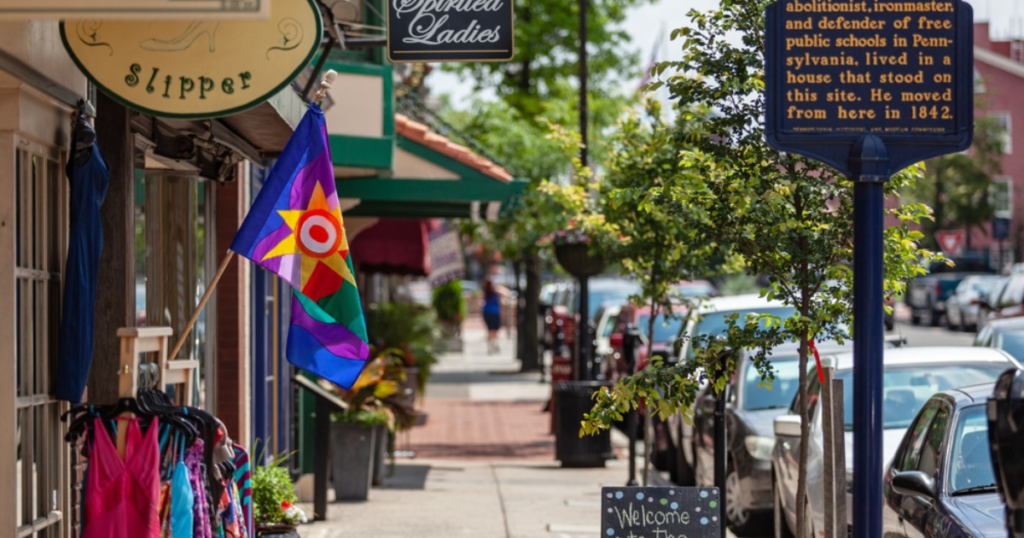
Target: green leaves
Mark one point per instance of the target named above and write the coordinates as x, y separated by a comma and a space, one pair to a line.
715, 192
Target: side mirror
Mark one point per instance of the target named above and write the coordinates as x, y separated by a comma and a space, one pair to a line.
788, 425
615, 340
914, 484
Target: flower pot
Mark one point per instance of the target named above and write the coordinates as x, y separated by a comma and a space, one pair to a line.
577, 260
352, 451
276, 531
380, 453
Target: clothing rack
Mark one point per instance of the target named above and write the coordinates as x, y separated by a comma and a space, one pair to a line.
136, 341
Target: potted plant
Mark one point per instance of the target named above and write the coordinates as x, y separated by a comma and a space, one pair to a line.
360, 434
273, 500
450, 308
412, 331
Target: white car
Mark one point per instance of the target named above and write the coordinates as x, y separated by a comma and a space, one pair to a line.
710, 320
605, 324
963, 306
911, 376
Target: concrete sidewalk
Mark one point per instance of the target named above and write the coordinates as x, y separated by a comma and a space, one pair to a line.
484, 464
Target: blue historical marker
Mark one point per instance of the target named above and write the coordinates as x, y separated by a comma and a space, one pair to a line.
869, 87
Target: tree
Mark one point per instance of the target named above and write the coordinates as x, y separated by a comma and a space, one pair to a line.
547, 41
959, 185
664, 246
785, 216
535, 92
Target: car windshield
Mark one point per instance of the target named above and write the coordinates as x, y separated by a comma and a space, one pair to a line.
716, 323
781, 391
971, 464
905, 389
665, 329
1012, 342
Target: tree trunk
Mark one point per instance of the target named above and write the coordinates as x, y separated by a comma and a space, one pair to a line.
529, 354
801, 487
648, 422
938, 210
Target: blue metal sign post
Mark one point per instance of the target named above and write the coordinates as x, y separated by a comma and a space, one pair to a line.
868, 87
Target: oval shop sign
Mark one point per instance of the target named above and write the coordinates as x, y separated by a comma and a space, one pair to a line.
196, 69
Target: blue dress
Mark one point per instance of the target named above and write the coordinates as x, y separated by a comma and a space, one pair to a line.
492, 311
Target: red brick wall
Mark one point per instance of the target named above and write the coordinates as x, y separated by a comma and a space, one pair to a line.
230, 377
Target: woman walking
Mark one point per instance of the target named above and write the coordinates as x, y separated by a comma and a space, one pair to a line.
492, 315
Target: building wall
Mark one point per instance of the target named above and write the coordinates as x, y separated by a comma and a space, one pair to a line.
34, 130
1001, 95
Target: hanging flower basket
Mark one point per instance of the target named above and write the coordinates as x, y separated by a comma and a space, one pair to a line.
577, 259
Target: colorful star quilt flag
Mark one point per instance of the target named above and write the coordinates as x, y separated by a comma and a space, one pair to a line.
295, 230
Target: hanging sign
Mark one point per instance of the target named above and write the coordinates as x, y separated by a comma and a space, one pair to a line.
450, 30
199, 68
137, 9
446, 263
838, 70
661, 512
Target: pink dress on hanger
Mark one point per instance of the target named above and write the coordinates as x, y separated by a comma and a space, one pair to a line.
123, 496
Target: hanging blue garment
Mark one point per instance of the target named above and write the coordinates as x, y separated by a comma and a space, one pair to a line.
182, 500
89, 181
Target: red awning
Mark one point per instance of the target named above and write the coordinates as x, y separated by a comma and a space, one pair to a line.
393, 247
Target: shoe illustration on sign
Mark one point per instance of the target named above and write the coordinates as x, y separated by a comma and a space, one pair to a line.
951, 242
183, 41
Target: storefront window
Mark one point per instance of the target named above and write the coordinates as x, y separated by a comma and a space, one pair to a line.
42, 462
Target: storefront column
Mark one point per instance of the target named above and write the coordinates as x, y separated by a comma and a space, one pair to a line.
232, 358
115, 297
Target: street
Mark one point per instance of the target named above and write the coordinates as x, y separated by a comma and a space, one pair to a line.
930, 336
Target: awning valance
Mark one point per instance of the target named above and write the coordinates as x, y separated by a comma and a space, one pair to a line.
393, 247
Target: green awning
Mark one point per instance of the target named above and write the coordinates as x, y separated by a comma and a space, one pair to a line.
452, 183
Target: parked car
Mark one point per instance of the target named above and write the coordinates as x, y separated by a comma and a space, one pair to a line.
605, 323
1010, 302
1005, 334
940, 481
749, 411
709, 319
987, 300
666, 330
927, 294
694, 289
963, 305
911, 376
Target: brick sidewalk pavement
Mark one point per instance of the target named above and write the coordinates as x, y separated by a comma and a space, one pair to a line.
484, 430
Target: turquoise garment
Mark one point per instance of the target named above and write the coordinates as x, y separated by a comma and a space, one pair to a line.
182, 502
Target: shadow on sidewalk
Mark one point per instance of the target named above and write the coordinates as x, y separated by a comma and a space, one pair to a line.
407, 476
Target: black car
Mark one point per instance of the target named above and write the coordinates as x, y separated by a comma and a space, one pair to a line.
750, 411
940, 481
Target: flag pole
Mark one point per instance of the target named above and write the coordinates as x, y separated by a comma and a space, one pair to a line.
202, 303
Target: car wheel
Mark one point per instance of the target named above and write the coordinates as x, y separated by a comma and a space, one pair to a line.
952, 325
742, 521
914, 318
782, 529
934, 317
889, 324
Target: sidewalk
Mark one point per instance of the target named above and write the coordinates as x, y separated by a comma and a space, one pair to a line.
484, 464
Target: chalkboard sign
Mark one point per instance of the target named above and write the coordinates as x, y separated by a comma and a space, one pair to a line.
450, 30
837, 70
660, 512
